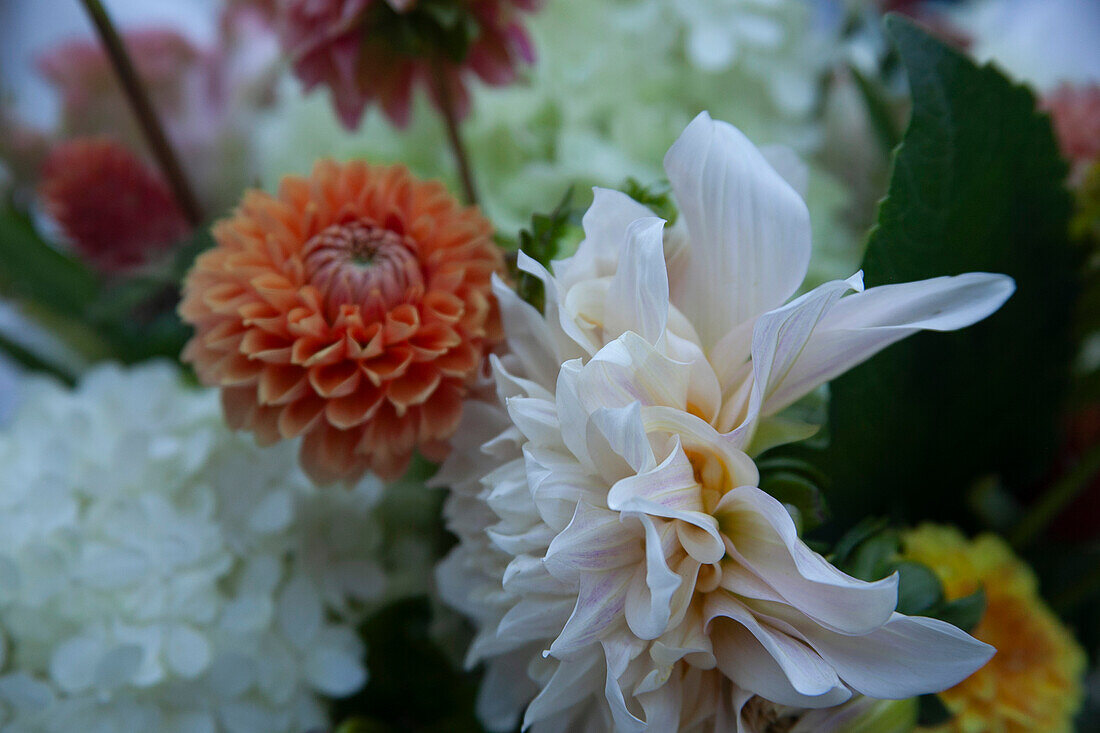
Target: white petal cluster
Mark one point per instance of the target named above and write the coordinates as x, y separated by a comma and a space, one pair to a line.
620, 564
160, 573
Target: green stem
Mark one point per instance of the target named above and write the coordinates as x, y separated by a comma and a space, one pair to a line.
454, 137
143, 109
1051, 504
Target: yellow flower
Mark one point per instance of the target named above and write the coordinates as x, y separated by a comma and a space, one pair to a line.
1033, 683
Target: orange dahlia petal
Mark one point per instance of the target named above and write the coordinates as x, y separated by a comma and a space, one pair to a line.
414, 387
354, 409
352, 309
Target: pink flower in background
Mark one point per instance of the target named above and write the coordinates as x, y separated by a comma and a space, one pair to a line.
248, 51
91, 99
373, 51
206, 98
117, 213
1075, 112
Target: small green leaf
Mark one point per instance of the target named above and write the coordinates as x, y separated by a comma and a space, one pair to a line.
542, 243
963, 612
657, 197
918, 588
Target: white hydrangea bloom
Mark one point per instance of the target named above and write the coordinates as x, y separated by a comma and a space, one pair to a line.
769, 39
621, 567
160, 573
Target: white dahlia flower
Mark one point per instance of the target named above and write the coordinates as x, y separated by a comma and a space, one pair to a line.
619, 563
160, 573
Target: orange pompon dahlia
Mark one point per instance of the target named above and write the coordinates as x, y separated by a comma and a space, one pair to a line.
1034, 682
353, 309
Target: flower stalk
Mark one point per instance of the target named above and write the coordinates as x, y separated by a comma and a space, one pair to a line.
454, 135
143, 109
1051, 504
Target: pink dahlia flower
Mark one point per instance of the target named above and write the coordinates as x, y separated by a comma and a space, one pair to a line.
379, 51
1075, 112
117, 213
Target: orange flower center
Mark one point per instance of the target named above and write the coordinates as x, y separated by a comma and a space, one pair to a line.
361, 264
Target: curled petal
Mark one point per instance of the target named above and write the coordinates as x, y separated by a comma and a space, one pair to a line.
764, 539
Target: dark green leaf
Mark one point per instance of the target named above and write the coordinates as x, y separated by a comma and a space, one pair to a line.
32, 270
963, 612
184, 253
918, 588
858, 534
932, 711
873, 558
33, 362
977, 186
798, 491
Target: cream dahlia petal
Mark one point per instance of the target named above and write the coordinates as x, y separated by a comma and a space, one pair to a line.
637, 299
763, 538
569, 337
536, 418
534, 618
559, 485
618, 657
601, 598
671, 485
533, 341
629, 370
605, 226
649, 605
747, 227
571, 683
773, 664
933, 654
778, 340
661, 493
591, 543
505, 690
858, 326
624, 432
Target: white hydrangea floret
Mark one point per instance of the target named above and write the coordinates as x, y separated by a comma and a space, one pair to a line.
160, 573
622, 568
